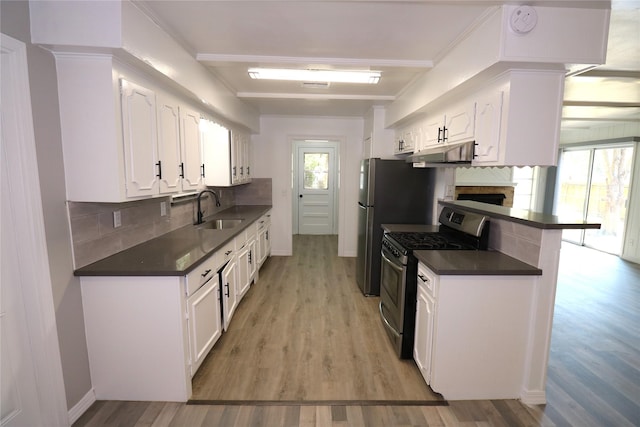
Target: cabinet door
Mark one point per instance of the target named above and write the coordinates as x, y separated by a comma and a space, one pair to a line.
236, 157
169, 145
244, 278
142, 167
253, 259
246, 156
229, 292
423, 340
433, 129
216, 148
488, 124
460, 122
264, 244
191, 164
204, 322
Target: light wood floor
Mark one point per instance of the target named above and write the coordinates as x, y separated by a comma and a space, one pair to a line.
594, 366
304, 331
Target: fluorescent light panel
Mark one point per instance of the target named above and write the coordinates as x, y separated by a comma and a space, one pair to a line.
332, 76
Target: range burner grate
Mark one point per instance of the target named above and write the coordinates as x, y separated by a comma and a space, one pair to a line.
430, 241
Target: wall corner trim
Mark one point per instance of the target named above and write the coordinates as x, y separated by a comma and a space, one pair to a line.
81, 407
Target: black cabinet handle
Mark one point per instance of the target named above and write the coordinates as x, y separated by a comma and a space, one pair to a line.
202, 168
250, 258
444, 134
228, 252
248, 168
242, 170
227, 293
206, 272
439, 133
159, 165
182, 170
234, 171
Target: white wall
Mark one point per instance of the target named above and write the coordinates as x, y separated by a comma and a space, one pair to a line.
65, 287
272, 151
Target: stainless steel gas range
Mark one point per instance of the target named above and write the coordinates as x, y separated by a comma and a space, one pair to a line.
458, 230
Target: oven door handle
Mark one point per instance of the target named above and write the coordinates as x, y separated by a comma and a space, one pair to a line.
393, 264
386, 322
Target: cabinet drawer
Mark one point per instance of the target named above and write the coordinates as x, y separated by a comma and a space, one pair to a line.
201, 275
226, 253
427, 280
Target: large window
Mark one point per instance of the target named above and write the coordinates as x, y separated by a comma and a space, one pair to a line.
594, 186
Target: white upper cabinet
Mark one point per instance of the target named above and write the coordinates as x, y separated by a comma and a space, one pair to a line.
518, 121
191, 169
163, 155
405, 141
124, 136
452, 125
489, 114
169, 145
226, 155
143, 169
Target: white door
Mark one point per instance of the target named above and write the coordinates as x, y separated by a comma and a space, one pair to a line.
31, 386
316, 188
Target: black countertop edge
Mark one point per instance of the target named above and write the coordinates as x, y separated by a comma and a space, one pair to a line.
530, 218
474, 263
177, 252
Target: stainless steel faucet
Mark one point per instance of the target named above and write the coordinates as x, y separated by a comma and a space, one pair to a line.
200, 211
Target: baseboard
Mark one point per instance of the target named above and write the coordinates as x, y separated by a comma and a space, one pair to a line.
281, 253
82, 406
529, 397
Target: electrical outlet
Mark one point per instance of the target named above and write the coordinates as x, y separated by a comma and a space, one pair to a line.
450, 190
117, 221
163, 208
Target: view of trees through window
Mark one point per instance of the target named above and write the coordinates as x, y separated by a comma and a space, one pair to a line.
316, 171
594, 186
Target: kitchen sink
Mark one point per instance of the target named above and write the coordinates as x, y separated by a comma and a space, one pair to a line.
220, 224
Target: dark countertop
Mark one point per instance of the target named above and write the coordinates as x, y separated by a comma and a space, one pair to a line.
408, 228
475, 263
177, 252
530, 218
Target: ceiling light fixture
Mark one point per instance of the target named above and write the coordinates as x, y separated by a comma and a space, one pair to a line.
332, 76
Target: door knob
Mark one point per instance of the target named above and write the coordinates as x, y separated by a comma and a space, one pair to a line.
300, 196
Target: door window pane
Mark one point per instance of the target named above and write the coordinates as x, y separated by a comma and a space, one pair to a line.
316, 171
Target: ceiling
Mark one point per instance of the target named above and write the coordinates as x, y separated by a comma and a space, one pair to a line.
402, 39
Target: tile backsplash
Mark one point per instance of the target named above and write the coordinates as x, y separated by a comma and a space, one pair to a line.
95, 237
516, 240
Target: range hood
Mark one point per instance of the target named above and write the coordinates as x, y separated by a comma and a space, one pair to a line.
457, 153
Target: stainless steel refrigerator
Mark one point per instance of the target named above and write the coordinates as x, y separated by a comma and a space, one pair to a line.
391, 192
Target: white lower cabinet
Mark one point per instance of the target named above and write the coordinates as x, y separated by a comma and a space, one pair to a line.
244, 267
425, 318
204, 322
471, 334
229, 288
263, 241
148, 335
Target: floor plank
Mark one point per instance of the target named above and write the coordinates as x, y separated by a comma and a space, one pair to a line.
305, 332
594, 364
